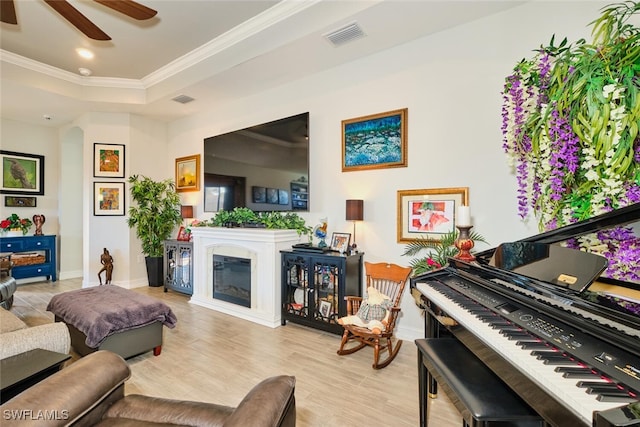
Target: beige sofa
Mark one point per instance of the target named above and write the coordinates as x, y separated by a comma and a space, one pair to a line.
16, 337
91, 392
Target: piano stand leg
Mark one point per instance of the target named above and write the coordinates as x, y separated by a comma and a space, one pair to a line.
432, 330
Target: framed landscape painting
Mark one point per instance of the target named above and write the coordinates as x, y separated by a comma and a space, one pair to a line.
430, 213
375, 142
108, 160
188, 173
108, 198
22, 173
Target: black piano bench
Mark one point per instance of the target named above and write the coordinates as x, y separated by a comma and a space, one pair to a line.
479, 395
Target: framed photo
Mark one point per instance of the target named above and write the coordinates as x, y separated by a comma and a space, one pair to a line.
108, 198
20, 202
340, 242
259, 194
325, 308
375, 142
283, 197
429, 214
272, 196
108, 160
183, 236
22, 173
188, 173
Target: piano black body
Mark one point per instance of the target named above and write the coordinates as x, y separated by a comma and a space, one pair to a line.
529, 317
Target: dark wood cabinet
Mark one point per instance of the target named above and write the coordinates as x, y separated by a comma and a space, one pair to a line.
314, 286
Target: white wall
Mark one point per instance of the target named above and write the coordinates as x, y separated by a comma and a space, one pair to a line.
451, 83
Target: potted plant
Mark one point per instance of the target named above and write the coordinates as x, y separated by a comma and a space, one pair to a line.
438, 251
15, 224
154, 217
245, 217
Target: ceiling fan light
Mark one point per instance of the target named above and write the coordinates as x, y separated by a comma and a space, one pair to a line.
85, 53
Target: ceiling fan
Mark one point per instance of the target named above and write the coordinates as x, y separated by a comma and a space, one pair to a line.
128, 7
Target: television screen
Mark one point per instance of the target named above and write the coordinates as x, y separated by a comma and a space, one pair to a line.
263, 167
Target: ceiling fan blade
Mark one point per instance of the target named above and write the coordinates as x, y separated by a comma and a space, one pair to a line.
8, 12
130, 8
76, 18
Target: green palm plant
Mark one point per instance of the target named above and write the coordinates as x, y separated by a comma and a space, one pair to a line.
439, 251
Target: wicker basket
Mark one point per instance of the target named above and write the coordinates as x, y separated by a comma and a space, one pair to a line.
27, 259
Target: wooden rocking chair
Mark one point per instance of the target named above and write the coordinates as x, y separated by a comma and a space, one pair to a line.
389, 279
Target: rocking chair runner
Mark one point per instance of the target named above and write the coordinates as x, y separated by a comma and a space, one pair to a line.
389, 279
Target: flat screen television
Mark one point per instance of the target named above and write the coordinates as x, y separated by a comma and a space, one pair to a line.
263, 167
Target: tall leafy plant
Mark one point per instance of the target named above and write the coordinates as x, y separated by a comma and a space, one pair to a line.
156, 212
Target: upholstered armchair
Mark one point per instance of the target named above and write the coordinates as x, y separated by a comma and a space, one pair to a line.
91, 392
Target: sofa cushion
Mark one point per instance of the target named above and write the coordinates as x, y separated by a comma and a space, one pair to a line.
50, 336
144, 409
10, 322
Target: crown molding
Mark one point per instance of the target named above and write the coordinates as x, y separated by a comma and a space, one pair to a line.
39, 67
282, 10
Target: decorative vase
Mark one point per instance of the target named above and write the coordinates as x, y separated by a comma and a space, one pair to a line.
14, 232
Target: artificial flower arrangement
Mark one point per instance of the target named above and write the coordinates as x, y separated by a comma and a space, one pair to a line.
571, 116
14, 222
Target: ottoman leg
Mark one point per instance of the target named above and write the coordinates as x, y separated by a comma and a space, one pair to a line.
157, 350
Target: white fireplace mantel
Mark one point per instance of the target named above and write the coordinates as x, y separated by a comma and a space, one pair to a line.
265, 246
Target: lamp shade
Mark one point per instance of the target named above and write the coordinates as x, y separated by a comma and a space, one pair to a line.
355, 210
186, 211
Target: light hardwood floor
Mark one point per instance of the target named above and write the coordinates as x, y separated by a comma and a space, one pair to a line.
214, 357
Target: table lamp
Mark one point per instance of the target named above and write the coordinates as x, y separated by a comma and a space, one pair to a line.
355, 212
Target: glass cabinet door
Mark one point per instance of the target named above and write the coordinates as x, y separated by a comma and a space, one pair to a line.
326, 280
296, 287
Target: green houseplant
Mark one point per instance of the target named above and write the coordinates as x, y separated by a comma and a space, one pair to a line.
245, 217
438, 251
154, 216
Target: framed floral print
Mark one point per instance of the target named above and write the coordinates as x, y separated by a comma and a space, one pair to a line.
429, 213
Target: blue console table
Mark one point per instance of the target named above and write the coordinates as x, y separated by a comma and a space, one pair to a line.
44, 244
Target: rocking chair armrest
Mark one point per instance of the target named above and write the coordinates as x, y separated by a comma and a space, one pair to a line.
353, 304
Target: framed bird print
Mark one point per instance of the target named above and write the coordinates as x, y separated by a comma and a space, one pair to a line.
22, 173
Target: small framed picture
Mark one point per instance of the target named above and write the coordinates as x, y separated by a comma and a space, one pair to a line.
20, 202
183, 236
108, 160
272, 196
108, 198
340, 242
325, 309
259, 194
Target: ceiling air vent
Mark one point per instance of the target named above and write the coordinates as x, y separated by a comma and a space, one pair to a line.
345, 34
183, 99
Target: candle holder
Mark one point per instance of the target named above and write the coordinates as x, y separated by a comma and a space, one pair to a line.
464, 244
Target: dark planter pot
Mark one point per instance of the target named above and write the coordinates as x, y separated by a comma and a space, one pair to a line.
154, 271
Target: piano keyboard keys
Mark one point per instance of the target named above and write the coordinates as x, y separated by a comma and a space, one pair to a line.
510, 340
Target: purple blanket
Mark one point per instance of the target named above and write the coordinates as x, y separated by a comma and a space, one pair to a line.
101, 311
